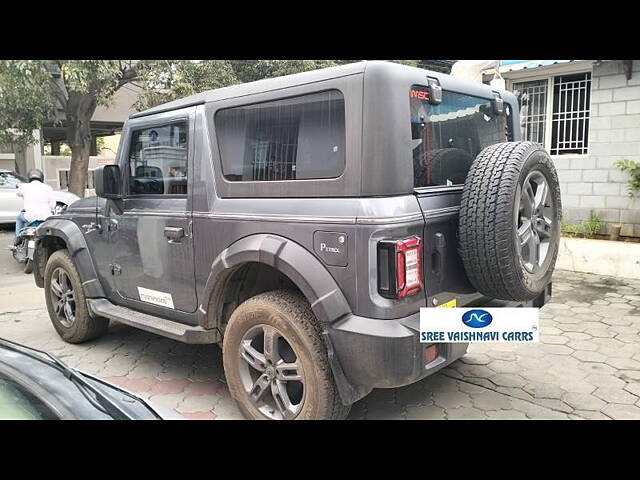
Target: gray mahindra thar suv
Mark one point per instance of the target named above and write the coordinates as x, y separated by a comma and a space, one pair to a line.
301, 222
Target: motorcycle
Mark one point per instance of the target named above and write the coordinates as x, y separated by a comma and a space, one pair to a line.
24, 245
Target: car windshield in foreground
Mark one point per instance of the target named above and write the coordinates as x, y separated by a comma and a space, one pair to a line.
17, 403
447, 137
97, 398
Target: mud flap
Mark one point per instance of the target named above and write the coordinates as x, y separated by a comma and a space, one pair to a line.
349, 393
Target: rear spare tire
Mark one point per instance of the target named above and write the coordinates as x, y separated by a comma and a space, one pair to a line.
509, 228
448, 166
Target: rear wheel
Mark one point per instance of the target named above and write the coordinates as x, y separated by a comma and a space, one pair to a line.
19, 251
275, 360
66, 302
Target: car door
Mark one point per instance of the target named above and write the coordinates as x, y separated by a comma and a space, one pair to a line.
153, 259
10, 203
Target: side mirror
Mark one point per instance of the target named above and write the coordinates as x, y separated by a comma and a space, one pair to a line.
108, 181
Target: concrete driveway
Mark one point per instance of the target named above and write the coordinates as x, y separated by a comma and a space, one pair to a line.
587, 365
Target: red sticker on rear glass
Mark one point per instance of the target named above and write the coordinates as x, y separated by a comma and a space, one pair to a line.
422, 95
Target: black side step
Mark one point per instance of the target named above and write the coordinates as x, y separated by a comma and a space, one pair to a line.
183, 333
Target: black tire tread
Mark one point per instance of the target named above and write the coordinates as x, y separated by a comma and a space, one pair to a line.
486, 224
296, 308
85, 326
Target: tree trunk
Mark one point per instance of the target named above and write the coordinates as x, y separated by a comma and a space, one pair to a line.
79, 110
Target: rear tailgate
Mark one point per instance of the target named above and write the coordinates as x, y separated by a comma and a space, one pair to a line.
444, 275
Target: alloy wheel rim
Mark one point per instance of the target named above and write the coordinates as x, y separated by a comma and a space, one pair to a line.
534, 221
271, 373
63, 297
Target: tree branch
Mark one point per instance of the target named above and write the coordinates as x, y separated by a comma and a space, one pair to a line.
129, 74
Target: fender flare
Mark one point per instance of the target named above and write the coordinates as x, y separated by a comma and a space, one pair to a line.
290, 258
328, 303
73, 237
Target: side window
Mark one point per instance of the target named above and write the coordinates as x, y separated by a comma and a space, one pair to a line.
158, 160
295, 138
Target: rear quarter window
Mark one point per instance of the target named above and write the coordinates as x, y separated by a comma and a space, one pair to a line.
447, 137
296, 138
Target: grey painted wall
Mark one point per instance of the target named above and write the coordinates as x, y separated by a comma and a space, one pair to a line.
592, 182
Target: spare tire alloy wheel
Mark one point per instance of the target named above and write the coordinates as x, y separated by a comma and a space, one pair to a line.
509, 224
534, 214
270, 373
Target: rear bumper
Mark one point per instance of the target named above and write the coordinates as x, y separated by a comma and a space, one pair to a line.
374, 353
386, 353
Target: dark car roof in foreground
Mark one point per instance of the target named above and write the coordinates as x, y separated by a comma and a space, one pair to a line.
48, 382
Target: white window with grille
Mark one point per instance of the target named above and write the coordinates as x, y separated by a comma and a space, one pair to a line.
555, 112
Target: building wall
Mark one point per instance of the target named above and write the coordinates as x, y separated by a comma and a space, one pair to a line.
7, 161
592, 182
52, 164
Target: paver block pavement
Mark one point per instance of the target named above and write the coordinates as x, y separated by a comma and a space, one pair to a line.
616, 395
622, 412
549, 380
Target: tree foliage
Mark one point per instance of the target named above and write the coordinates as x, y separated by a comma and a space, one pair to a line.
166, 80
25, 103
30, 91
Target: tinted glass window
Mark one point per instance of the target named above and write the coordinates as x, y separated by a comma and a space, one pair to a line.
158, 160
290, 139
448, 136
17, 403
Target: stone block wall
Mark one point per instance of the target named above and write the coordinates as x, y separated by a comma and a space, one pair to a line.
592, 182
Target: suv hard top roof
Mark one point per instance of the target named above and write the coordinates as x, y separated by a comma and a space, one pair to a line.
312, 76
259, 86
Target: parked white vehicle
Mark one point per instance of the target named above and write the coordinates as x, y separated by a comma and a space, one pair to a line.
11, 204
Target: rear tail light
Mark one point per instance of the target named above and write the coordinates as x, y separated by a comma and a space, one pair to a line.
400, 267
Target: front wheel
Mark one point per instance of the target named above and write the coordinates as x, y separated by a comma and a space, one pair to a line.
66, 302
276, 363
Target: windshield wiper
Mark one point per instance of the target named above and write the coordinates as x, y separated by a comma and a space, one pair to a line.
102, 402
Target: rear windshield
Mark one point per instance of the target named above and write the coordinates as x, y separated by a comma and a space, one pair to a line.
448, 136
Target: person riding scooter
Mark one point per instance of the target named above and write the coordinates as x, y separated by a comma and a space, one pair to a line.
39, 200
